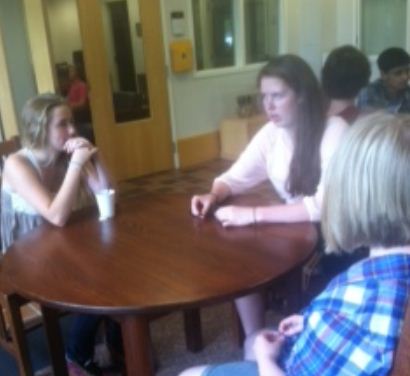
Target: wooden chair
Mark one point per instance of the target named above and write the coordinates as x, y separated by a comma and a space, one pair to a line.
16, 315
401, 364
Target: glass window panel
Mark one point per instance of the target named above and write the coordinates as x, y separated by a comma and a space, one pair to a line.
214, 33
389, 16
261, 29
124, 43
67, 55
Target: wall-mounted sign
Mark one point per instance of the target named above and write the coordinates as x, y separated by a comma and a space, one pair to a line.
178, 23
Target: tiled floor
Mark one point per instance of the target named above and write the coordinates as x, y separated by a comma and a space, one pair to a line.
192, 181
195, 180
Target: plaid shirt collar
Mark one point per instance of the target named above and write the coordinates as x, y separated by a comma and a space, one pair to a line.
394, 266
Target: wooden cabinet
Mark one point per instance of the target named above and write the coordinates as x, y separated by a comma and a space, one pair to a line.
235, 133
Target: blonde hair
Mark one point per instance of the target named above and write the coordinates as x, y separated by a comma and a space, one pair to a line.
367, 189
35, 116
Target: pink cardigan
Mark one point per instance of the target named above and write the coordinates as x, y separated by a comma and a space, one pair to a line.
268, 156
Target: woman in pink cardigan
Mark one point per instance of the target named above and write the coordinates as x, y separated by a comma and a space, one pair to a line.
292, 150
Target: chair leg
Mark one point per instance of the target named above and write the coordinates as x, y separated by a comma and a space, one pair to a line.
193, 330
54, 341
13, 304
294, 294
237, 328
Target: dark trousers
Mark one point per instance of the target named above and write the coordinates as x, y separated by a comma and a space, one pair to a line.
83, 334
330, 265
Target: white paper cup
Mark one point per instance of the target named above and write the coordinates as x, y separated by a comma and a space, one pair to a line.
106, 203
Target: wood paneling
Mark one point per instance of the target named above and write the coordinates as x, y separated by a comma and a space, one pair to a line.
138, 147
198, 149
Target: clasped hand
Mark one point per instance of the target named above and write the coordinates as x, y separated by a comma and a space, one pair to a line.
268, 343
80, 149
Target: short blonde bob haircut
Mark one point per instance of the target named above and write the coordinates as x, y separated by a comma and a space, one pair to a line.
36, 116
367, 189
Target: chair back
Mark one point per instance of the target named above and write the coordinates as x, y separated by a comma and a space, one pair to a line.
16, 317
8, 147
401, 364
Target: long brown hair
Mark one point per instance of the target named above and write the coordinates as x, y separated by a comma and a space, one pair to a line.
310, 120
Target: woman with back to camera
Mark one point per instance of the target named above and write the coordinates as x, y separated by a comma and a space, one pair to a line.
353, 326
345, 72
292, 150
42, 181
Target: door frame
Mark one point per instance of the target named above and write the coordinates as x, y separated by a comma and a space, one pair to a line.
7, 110
97, 68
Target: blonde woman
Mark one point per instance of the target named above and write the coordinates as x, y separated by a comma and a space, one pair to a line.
352, 327
41, 182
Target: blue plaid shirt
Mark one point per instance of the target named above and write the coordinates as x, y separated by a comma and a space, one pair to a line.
375, 96
352, 328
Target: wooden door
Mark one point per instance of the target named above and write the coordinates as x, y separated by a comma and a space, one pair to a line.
134, 140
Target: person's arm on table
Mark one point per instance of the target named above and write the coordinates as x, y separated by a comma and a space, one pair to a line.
95, 173
246, 215
308, 209
55, 209
202, 204
246, 172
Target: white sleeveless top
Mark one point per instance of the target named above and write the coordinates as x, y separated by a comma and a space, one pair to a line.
18, 216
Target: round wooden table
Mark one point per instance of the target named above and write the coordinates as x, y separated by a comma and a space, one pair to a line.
153, 256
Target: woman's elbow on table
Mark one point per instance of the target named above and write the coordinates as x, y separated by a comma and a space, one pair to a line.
58, 220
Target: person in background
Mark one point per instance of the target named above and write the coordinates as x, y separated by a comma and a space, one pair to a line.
353, 326
77, 93
77, 98
55, 163
391, 91
292, 151
345, 72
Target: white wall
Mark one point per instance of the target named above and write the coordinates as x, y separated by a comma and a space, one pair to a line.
347, 18
346, 21
64, 29
65, 35
17, 56
310, 29
200, 100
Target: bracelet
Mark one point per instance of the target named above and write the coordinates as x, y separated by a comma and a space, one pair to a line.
76, 164
254, 215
